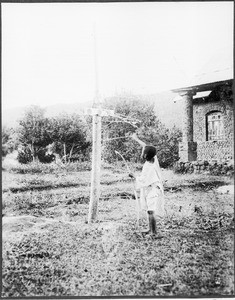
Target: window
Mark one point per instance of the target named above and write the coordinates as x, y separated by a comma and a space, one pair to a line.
215, 126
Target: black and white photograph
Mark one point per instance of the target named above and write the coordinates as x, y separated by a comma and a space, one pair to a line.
117, 149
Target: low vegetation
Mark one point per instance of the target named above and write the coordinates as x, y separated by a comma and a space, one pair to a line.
50, 250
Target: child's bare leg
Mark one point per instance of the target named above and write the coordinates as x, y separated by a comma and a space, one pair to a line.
152, 222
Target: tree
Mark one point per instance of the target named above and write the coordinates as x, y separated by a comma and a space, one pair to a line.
138, 116
69, 135
33, 129
149, 129
166, 142
10, 140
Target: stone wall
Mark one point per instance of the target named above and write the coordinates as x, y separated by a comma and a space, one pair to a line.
225, 168
219, 150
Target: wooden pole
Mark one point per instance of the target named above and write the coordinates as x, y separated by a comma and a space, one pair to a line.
96, 150
96, 165
96, 100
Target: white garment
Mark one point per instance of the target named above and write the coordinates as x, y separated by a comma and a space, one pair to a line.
151, 188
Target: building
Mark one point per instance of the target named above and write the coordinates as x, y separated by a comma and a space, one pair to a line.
207, 122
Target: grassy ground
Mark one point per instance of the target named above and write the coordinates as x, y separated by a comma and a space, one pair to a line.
50, 250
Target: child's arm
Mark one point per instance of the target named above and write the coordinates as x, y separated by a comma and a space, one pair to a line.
135, 137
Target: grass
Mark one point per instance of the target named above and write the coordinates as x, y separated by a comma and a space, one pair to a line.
50, 250
37, 167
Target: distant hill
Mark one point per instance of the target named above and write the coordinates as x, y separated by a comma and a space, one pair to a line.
69, 108
11, 116
168, 112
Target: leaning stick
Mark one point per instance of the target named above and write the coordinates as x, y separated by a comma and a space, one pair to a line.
135, 193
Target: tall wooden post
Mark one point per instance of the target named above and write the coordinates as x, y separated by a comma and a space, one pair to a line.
96, 148
96, 165
97, 113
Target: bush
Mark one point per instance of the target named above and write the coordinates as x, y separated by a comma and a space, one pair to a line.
9, 140
44, 157
168, 147
179, 167
25, 155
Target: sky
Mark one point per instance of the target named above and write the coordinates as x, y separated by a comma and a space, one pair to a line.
61, 52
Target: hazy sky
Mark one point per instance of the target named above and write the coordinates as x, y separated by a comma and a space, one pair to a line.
141, 48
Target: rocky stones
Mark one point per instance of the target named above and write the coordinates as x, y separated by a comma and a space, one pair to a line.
213, 167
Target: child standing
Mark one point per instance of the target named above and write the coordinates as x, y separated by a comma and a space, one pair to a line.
150, 185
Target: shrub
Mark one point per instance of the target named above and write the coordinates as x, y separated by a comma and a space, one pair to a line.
10, 140
24, 155
4, 150
179, 167
44, 157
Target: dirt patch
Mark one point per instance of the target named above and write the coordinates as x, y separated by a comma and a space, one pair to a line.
196, 186
226, 189
15, 227
43, 187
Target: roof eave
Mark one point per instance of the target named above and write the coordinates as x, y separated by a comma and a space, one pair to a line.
202, 87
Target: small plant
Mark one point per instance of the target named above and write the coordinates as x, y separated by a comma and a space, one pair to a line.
179, 167
25, 155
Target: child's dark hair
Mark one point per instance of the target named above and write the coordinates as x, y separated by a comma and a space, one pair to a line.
149, 152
